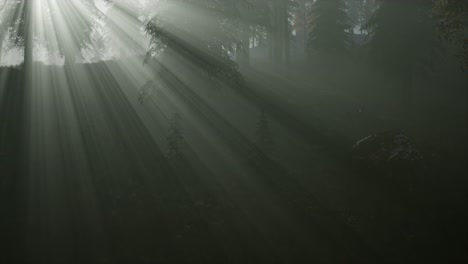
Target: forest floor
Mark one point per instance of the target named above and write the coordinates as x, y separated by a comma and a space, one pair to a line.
87, 176
407, 222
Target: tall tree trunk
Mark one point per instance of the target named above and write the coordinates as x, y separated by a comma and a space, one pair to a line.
28, 51
276, 32
306, 26
285, 34
28, 35
1, 48
279, 34
271, 35
244, 54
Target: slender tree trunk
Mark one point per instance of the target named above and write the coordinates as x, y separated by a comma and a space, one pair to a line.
286, 32
28, 35
271, 33
306, 26
279, 41
244, 54
275, 29
1, 49
28, 51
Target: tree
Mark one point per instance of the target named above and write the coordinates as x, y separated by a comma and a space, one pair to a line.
356, 11
75, 25
202, 32
3, 34
125, 25
452, 22
280, 30
301, 22
3, 29
401, 40
247, 22
16, 22
99, 45
174, 139
330, 29
264, 137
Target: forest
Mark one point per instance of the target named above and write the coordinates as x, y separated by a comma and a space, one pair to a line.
233, 131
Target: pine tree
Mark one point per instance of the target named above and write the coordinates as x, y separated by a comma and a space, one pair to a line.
264, 137
174, 139
147, 90
330, 30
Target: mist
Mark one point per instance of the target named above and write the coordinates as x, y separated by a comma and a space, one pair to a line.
222, 131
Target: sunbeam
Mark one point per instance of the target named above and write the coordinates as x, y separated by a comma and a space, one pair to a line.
233, 131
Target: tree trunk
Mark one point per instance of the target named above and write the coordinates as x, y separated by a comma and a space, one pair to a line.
1, 49
28, 36
244, 54
271, 35
28, 51
285, 35
306, 27
279, 33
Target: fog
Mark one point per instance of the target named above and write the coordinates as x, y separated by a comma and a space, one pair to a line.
219, 131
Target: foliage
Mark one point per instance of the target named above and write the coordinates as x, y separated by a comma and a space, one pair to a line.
209, 44
73, 22
264, 137
147, 91
78, 31
174, 138
330, 27
125, 20
401, 46
452, 22
13, 21
356, 11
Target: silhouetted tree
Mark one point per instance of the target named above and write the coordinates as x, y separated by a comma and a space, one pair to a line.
264, 136
452, 20
330, 27
280, 30
147, 91
402, 40
174, 138
301, 22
